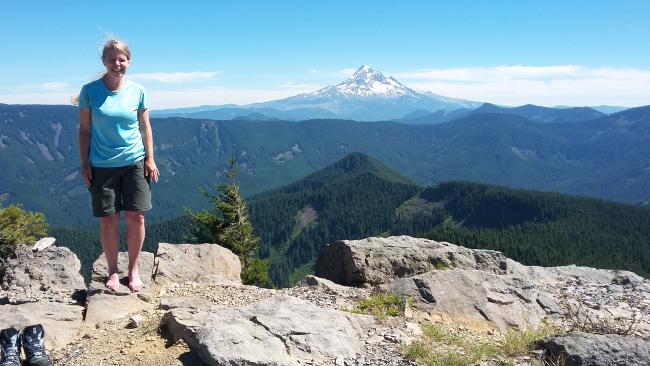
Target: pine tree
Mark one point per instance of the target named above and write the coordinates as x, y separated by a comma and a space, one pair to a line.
228, 224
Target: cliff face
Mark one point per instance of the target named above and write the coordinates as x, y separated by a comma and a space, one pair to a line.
205, 315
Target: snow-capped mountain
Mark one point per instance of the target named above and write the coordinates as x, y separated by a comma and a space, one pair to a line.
368, 95
366, 83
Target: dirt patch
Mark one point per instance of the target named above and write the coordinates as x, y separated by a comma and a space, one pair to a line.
306, 217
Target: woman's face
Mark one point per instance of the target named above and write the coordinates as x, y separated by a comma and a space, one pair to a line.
116, 63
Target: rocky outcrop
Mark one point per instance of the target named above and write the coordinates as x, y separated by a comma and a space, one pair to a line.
197, 291
43, 287
584, 349
177, 263
50, 274
277, 331
375, 261
483, 290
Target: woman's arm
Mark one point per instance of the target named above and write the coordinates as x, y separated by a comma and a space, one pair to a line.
84, 144
150, 168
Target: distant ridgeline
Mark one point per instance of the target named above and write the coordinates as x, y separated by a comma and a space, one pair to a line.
358, 197
573, 151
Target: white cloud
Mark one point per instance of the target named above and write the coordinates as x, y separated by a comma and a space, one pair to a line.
543, 85
191, 97
50, 86
37, 98
176, 77
298, 86
348, 71
54, 86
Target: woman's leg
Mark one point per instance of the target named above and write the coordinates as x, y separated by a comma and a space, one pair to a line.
134, 241
110, 239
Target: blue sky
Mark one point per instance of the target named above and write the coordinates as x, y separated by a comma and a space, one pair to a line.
214, 52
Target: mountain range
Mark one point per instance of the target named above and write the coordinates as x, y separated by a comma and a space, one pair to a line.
370, 96
606, 157
367, 96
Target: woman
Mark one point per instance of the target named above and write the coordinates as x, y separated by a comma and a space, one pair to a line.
117, 160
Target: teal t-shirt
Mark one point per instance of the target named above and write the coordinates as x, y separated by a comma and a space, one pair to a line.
115, 138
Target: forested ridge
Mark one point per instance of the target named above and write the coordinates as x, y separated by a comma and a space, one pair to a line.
359, 197
606, 157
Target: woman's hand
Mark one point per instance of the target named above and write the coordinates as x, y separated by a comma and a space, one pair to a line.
86, 174
151, 170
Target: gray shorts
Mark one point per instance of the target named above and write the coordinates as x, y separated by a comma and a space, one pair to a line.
123, 188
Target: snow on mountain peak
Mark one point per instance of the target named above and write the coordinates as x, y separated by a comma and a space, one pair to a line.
367, 82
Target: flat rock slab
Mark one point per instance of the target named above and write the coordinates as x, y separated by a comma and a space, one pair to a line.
100, 272
60, 321
583, 349
50, 274
201, 263
187, 302
277, 331
474, 299
104, 307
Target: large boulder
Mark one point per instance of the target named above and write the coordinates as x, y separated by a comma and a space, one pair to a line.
201, 263
378, 260
584, 349
51, 274
278, 331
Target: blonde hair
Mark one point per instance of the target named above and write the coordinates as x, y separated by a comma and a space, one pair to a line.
111, 44
118, 45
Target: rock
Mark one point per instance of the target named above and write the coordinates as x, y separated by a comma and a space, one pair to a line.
548, 304
553, 275
51, 274
135, 321
194, 302
378, 260
584, 349
200, 263
104, 307
340, 361
313, 281
474, 299
100, 272
43, 243
104, 304
61, 322
278, 331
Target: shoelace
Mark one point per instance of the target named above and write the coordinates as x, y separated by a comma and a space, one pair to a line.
34, 349
11, 356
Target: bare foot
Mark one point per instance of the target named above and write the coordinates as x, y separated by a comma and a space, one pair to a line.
135, 283
113, 282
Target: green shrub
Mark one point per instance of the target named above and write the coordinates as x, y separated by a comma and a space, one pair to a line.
19, 226
381, 305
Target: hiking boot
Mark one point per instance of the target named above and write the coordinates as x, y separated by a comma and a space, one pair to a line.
10, 343
33, 338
